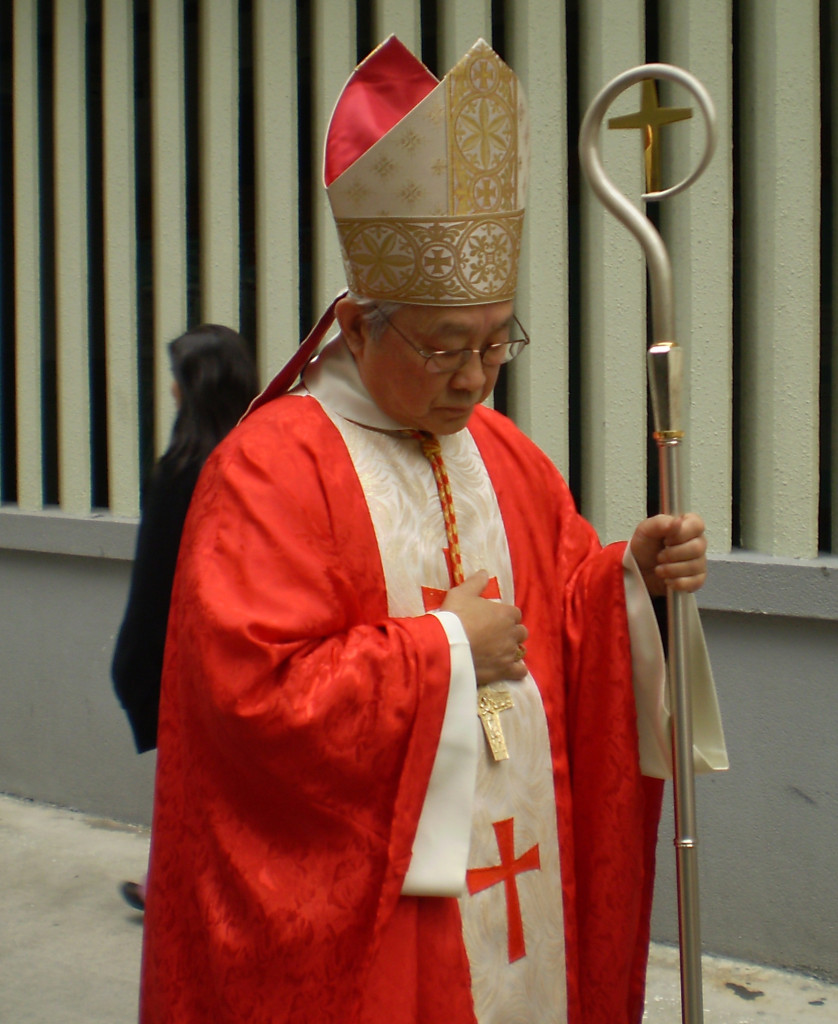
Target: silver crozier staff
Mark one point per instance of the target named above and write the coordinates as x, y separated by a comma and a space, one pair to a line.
664, 361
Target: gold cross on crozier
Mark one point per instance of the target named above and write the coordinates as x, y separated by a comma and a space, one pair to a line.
650, 118
490, 703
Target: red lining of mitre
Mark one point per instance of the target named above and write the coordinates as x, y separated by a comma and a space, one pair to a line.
384, 87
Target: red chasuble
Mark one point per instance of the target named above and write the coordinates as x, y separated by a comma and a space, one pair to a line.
298, 729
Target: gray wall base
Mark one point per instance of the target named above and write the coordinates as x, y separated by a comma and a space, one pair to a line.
767, 852
767, 855
64, 739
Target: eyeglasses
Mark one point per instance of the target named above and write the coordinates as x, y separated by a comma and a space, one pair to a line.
451, 360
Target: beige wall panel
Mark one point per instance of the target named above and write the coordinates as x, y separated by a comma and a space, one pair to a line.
71, 276
780, 277
219, 144
277, 219
538, 389
461, 25
833, 452
334, 57
780, 166
697, 227
401, 18
168, 158
27, 226
120, 259
613, 275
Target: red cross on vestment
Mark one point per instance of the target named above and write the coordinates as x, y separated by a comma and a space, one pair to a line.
433, 598
478, 879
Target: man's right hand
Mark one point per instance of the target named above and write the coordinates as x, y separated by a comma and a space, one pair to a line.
494, 630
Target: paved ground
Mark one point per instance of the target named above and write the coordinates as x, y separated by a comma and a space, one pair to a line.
70, 947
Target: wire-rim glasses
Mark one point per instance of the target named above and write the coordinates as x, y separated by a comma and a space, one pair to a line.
451, 360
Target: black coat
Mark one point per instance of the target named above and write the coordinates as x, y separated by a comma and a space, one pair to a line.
138, 657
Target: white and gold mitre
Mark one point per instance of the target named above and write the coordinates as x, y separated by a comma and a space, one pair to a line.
427, 179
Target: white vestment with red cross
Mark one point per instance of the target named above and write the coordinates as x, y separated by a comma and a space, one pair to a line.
500, 815
488, 832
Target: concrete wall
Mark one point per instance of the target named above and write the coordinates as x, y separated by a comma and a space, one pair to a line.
768, 857
63, 737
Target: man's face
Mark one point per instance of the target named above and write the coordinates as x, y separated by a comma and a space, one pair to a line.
395, 374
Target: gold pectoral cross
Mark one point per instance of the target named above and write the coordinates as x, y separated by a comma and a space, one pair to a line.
490, 703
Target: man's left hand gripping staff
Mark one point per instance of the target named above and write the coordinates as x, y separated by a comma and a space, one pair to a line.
671, 552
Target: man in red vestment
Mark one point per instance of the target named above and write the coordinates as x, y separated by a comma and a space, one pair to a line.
399, 773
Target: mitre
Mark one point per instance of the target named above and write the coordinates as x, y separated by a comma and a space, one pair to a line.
427, 179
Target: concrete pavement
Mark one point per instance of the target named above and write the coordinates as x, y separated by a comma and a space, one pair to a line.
70, 946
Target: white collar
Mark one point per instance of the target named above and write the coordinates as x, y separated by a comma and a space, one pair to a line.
333, 379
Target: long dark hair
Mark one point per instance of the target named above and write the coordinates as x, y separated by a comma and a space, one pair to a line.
217, 380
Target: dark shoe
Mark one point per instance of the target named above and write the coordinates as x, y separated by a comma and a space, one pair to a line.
133, 895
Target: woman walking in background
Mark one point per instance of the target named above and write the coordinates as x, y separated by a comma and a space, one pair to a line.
214, 382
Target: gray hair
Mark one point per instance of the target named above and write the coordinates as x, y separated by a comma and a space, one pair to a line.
376, 314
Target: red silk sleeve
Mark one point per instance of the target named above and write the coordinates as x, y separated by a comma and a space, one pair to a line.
298, 729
